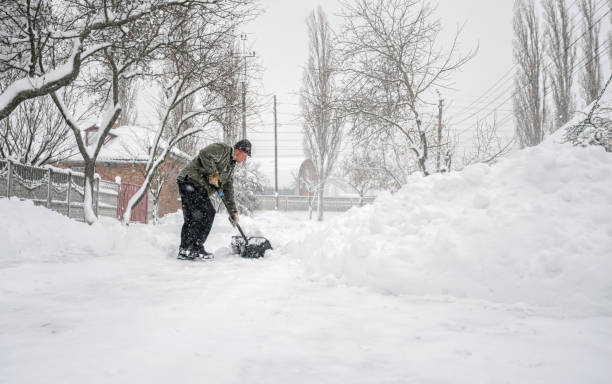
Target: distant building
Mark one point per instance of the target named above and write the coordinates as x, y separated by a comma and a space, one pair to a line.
123, 159
307, 182
307, 178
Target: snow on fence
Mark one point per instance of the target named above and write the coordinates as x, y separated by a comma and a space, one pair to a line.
58, 189
301, 203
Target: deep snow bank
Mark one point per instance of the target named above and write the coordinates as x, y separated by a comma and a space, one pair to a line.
534, 228
31, 234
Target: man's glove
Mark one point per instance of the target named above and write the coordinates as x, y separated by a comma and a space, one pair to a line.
233, 218
214, 179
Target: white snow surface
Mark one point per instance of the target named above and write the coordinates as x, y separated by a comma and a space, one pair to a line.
536, 228
496, 274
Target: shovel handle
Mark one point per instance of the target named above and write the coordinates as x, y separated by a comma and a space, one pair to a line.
220, 193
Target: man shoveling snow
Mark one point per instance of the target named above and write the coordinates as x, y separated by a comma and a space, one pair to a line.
211, 170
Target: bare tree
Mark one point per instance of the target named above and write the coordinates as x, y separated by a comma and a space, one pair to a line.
230, 117
383, 149
562, 57
248, 182
44, 43
192, 79
127, 100
591, 79
322, 120
35, 133
487, 145
528, 97
124, 51
364, 172
393, 64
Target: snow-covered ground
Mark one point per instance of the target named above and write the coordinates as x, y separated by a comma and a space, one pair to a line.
495, 274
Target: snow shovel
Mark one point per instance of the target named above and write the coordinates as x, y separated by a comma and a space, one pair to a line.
251, 248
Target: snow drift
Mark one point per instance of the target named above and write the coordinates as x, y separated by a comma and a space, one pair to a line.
535, 228
32, 234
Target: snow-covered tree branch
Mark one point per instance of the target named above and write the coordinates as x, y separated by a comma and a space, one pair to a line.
45, 43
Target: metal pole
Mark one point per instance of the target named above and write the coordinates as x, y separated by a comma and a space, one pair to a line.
244, 109
69, 189
243, 37
10, 179
275, 158
49, 175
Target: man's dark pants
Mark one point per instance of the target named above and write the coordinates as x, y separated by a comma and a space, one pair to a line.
198, 214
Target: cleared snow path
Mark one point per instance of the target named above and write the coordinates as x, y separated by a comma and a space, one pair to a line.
131, 313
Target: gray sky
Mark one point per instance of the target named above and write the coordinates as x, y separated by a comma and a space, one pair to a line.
279, 38
482, 86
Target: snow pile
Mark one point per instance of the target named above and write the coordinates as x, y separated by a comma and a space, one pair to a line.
33, 234
536, 228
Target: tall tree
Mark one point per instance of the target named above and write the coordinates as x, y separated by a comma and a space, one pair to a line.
231, 115
591, 80
393, 64
528, 97
562, 57
319, 93
127, 100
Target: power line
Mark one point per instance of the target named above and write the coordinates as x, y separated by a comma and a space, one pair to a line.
545, 68
575, 69
509, 87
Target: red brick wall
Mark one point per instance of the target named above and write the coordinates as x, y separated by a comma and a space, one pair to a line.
169, 196
133, 173
129, 173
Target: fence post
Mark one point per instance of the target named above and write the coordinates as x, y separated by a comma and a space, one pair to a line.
287, 203
49, 175
10, 178
69, 189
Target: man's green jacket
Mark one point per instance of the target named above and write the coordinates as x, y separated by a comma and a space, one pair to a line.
213, 158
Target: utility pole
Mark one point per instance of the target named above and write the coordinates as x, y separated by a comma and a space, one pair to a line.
244, 56
440, 106
275, 157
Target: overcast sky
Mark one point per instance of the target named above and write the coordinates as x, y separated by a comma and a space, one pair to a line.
279, 39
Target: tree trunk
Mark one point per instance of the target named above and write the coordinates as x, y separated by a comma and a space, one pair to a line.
88, 202
320, 192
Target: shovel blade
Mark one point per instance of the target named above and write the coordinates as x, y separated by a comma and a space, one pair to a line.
255, 249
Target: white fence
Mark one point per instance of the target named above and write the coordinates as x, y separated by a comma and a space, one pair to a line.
63, 191
57, 189
301, 203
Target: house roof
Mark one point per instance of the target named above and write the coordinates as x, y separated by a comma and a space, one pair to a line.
129, 143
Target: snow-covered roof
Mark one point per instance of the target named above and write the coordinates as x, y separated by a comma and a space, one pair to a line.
130, 143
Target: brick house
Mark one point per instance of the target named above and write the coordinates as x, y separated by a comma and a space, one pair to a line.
123, 159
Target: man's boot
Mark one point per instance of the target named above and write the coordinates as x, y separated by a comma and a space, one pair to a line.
185, 254
203, 254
